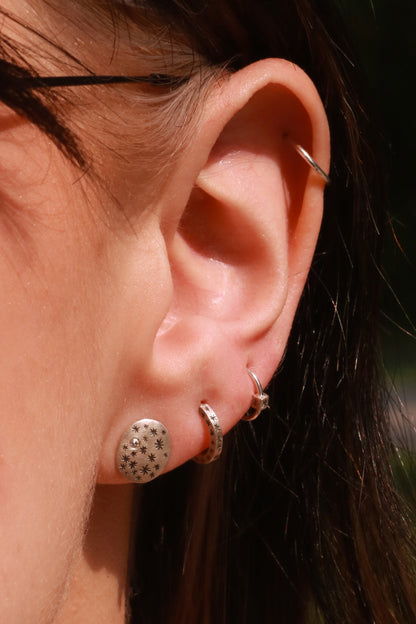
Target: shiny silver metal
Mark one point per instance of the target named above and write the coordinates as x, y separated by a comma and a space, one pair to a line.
311, 162
259, 400
213, 451
143, 451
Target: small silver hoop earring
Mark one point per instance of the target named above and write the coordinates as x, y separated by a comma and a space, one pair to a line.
213, 451
311, 162
143, 451
259, 400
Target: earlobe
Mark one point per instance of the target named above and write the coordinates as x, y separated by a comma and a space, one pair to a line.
241, 250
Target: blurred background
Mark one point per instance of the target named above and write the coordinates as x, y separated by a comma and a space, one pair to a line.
384, 36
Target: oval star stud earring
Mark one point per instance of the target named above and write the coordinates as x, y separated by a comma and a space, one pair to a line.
143, 451
259, 400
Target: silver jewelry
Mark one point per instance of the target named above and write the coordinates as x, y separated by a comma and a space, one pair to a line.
259, 400
214, 449
311, 162
143, 451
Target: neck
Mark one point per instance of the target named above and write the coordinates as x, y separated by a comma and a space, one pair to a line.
97, 592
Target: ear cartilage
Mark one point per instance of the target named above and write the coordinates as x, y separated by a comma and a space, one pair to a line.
311, 162
143, 451
213, 451
259, 400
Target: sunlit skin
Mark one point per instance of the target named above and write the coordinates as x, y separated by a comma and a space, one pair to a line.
60, 299
112, 310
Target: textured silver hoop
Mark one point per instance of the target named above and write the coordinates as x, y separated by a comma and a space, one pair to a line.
213, 451
259, 400
143, 451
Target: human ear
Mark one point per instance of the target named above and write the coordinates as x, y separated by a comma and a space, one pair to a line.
240, 218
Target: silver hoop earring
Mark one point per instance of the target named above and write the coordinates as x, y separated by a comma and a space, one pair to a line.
143, 451
259, 400
214, 449
311, 162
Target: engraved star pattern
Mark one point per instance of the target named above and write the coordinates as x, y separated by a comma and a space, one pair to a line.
144, 451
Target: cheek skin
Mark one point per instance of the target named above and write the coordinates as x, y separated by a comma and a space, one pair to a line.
48, 391
61, 314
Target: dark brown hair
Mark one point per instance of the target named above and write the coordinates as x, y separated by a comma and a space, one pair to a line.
300, 518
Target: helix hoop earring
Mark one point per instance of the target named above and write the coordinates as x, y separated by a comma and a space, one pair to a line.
143, 451
311, 162
259, 400
213, 451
